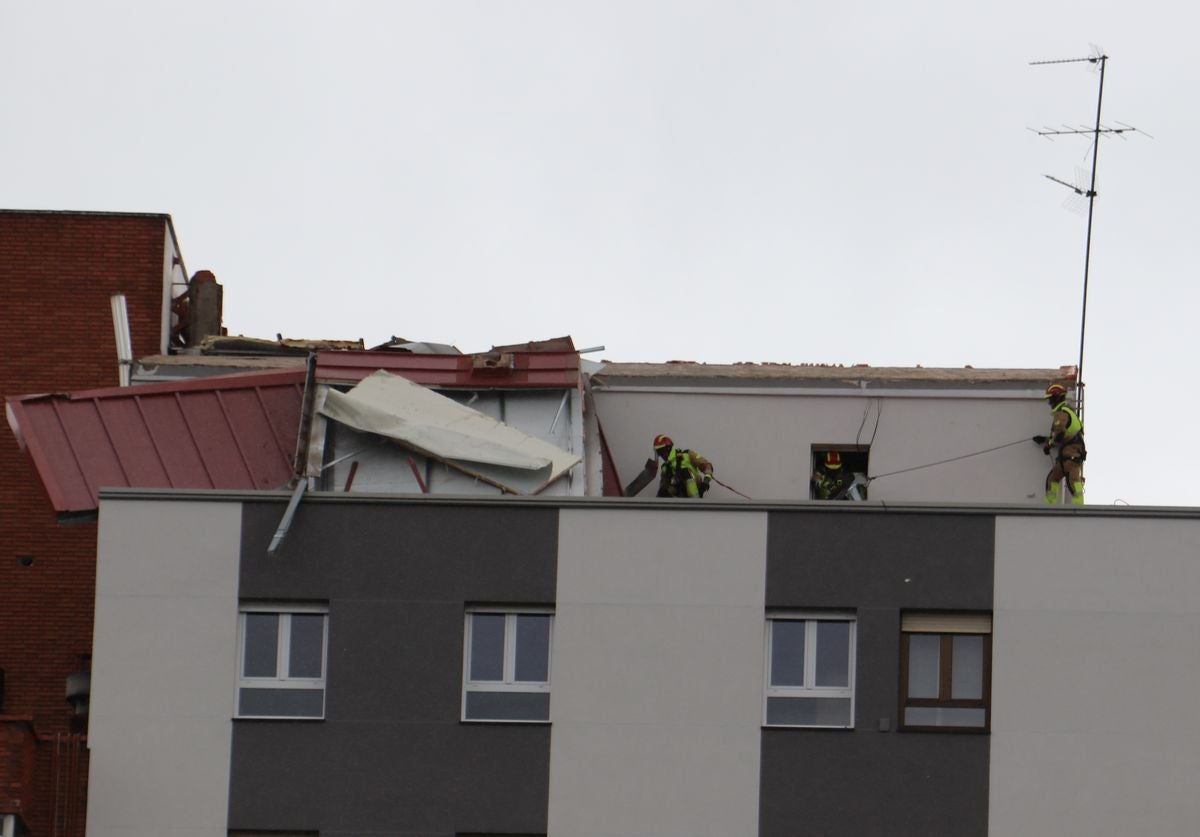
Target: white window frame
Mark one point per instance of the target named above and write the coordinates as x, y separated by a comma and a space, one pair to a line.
282, 657
509, 683
810, 666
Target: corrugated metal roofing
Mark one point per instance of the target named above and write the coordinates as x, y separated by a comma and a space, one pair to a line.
234, 432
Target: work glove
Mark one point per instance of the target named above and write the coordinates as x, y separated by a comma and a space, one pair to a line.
1041, 440
1046, 449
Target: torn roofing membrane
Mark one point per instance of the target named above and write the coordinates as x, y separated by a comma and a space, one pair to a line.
439, 427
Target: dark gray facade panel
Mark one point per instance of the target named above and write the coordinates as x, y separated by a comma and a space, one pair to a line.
872, 779
391, 756
402, 552
848, 784
381, 778
880, 560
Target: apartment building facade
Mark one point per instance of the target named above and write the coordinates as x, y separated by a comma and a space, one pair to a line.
583, 666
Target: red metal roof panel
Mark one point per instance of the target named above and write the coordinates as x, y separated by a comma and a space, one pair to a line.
235, 432
515, 370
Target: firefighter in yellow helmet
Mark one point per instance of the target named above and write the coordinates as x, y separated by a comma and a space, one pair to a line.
683, 473
1066, 434
830, 481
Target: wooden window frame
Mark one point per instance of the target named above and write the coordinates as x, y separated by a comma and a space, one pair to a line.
945, 682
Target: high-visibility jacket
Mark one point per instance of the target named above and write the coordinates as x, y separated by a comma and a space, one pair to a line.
1065, 426
685, 467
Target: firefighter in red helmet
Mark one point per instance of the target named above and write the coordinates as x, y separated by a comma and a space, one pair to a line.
830, 480
682, 473
1066, 434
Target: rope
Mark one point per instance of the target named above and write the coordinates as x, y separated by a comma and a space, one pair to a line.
730, 487
951, 459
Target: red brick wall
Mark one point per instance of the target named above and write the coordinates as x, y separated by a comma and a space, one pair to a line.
57, 272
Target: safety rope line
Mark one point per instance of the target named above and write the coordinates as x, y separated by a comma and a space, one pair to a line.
730, 487
951, 459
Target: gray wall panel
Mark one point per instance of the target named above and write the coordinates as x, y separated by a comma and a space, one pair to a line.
391, 755
868, 781
886, 560
849, 784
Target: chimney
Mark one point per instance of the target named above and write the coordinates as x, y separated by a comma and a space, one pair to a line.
204, 311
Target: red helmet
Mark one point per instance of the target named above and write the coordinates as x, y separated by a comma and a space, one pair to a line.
663, 441
833, 460
1055, 390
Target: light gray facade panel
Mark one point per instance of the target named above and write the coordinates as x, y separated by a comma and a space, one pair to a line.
1095, 673
657, 674
164, 658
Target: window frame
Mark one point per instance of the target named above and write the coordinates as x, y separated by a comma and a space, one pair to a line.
508, 683
944, 700
810, 666
282, 656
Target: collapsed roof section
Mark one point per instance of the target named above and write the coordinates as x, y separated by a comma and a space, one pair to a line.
239, 431
441, 428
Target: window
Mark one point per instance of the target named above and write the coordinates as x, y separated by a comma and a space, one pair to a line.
839, 472
506, 665
946, 671
810, 670
281, 665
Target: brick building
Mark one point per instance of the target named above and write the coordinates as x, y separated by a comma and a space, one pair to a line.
58, 271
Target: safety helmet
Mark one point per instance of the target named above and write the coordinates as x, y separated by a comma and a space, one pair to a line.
1055, 390
833, 460
663, 441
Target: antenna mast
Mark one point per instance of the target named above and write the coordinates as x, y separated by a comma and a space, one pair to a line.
1099, 129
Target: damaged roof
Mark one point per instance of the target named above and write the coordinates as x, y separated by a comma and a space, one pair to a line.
691, 374
236, 432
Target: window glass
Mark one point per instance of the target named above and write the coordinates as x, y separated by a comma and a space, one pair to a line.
261, 645
308, 643
787, 652
487, 646
533, 648
809, 712
833, 653
507, 676
924, 651
282, 703
508, 706
945, 684
810, 675
938, 716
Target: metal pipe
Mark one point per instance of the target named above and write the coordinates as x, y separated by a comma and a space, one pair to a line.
286, 522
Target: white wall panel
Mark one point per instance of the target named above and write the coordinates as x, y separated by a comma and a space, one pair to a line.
164, 663
657, 674
1096, 669
760, 444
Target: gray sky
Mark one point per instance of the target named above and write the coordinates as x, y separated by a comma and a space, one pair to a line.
765, 181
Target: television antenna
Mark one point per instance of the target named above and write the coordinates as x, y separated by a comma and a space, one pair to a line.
1081, 192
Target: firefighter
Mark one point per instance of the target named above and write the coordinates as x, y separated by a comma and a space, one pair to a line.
831, 481
1066, 434
683, 473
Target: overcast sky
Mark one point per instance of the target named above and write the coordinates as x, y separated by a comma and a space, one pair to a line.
789, 182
